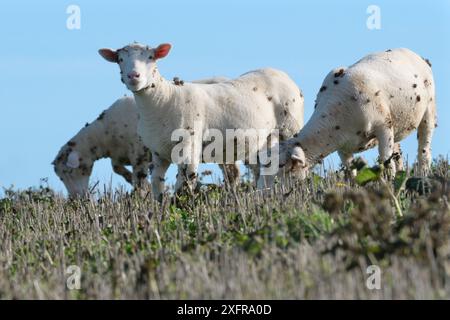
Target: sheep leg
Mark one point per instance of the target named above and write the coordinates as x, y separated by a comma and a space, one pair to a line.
398, 158
424, 135
385, 138
187, 170
122, 171
158, 176
140, 174
231, 174
265, 180
255, 171
187, 176
347, 160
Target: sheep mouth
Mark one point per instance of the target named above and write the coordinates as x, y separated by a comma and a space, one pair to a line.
141, 90
133, 83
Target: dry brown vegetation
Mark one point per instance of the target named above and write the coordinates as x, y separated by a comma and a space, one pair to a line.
301, 241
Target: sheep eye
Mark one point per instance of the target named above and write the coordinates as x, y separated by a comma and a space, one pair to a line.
150, 57
120, 60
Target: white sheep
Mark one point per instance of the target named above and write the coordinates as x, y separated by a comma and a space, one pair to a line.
379, 100
261, 99
112, 135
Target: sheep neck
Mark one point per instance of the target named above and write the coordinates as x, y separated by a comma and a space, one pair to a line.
158, 94
92, 141
316, 140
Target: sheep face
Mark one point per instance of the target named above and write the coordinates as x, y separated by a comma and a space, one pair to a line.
137, 64
293, 161
73, 172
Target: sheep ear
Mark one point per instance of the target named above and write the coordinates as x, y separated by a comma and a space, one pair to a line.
162, 50
297, 157
109, 55
73, 160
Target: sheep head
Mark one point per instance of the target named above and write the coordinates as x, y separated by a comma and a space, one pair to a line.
293, 160
73, 171
137, 64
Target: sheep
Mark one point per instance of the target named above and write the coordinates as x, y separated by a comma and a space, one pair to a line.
379, 100
260, 99
112, 135
230, 172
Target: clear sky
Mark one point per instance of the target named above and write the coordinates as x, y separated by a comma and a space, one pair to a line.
53, 81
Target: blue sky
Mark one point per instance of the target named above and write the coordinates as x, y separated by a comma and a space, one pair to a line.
53, 81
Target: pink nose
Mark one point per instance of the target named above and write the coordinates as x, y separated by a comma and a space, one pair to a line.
133, 74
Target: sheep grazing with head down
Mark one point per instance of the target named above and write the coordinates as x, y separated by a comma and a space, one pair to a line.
379, 100
265, 99
113, 135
